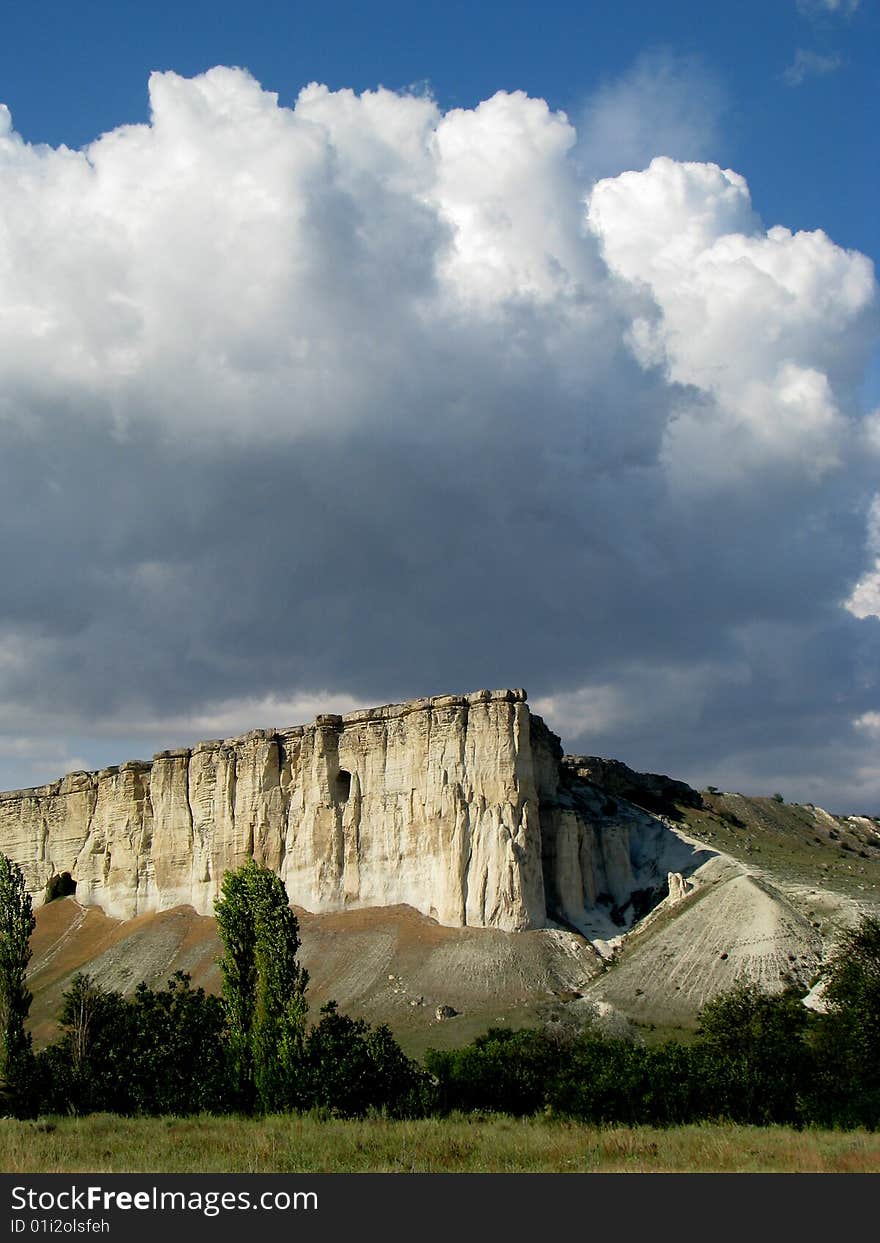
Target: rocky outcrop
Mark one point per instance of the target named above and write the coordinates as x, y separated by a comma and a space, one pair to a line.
456, 805
607, 862
678, 888
651, 791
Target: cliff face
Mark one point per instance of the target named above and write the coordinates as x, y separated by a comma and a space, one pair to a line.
433, 803
452, 805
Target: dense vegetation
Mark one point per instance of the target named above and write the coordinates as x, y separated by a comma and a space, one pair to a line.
758, 1059
16, 925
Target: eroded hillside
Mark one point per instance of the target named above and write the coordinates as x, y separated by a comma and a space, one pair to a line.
769, 905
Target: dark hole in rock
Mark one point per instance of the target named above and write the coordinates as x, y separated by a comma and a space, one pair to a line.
62, 885
343, 786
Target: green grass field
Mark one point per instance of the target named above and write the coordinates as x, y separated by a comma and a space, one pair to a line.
107, 1144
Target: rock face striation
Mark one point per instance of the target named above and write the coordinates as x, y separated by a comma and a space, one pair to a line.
458, 806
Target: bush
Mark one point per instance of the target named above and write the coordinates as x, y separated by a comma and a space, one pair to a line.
503, 1071
674, 1094
847, 1037
603, 1080
156, 1052
351, 1069
754, 1061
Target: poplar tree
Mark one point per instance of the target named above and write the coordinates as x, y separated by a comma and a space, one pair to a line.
263, 987
16, 925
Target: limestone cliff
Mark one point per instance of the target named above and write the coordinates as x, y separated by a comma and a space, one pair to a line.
454, 805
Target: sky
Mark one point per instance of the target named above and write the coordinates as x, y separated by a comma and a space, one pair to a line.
384, 351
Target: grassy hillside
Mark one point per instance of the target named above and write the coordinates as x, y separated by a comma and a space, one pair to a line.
799, 844
770, 907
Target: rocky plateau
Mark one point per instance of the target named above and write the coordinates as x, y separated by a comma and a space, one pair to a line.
450, 867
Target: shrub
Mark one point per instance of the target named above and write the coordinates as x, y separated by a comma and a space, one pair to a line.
503, 1071
754, 1061
603, 1080
156, 1052
351, 1069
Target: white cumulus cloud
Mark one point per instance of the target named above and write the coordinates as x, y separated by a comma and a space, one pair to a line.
744, 317
864, 600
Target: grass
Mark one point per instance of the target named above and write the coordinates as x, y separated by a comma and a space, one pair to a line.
103, 1143
788, 840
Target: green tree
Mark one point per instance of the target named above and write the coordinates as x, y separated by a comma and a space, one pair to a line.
178, 1066
502, 1071
848, 1036
90, 1066
852, 979
264, 988
158, 1052
16, 925
754, 1056
353, 1068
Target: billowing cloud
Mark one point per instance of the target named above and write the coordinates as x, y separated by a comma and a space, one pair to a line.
807, 64
743, 318
664, 105
359, 400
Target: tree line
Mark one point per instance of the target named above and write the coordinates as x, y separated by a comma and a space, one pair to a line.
757, 1058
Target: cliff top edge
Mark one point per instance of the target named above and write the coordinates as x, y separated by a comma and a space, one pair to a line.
385, 712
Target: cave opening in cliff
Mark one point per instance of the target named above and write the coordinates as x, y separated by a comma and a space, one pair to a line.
61, 885
343, 786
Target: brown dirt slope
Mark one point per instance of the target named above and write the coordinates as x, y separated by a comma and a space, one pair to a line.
390, 965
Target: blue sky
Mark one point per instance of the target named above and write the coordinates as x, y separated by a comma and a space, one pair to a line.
351, 398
